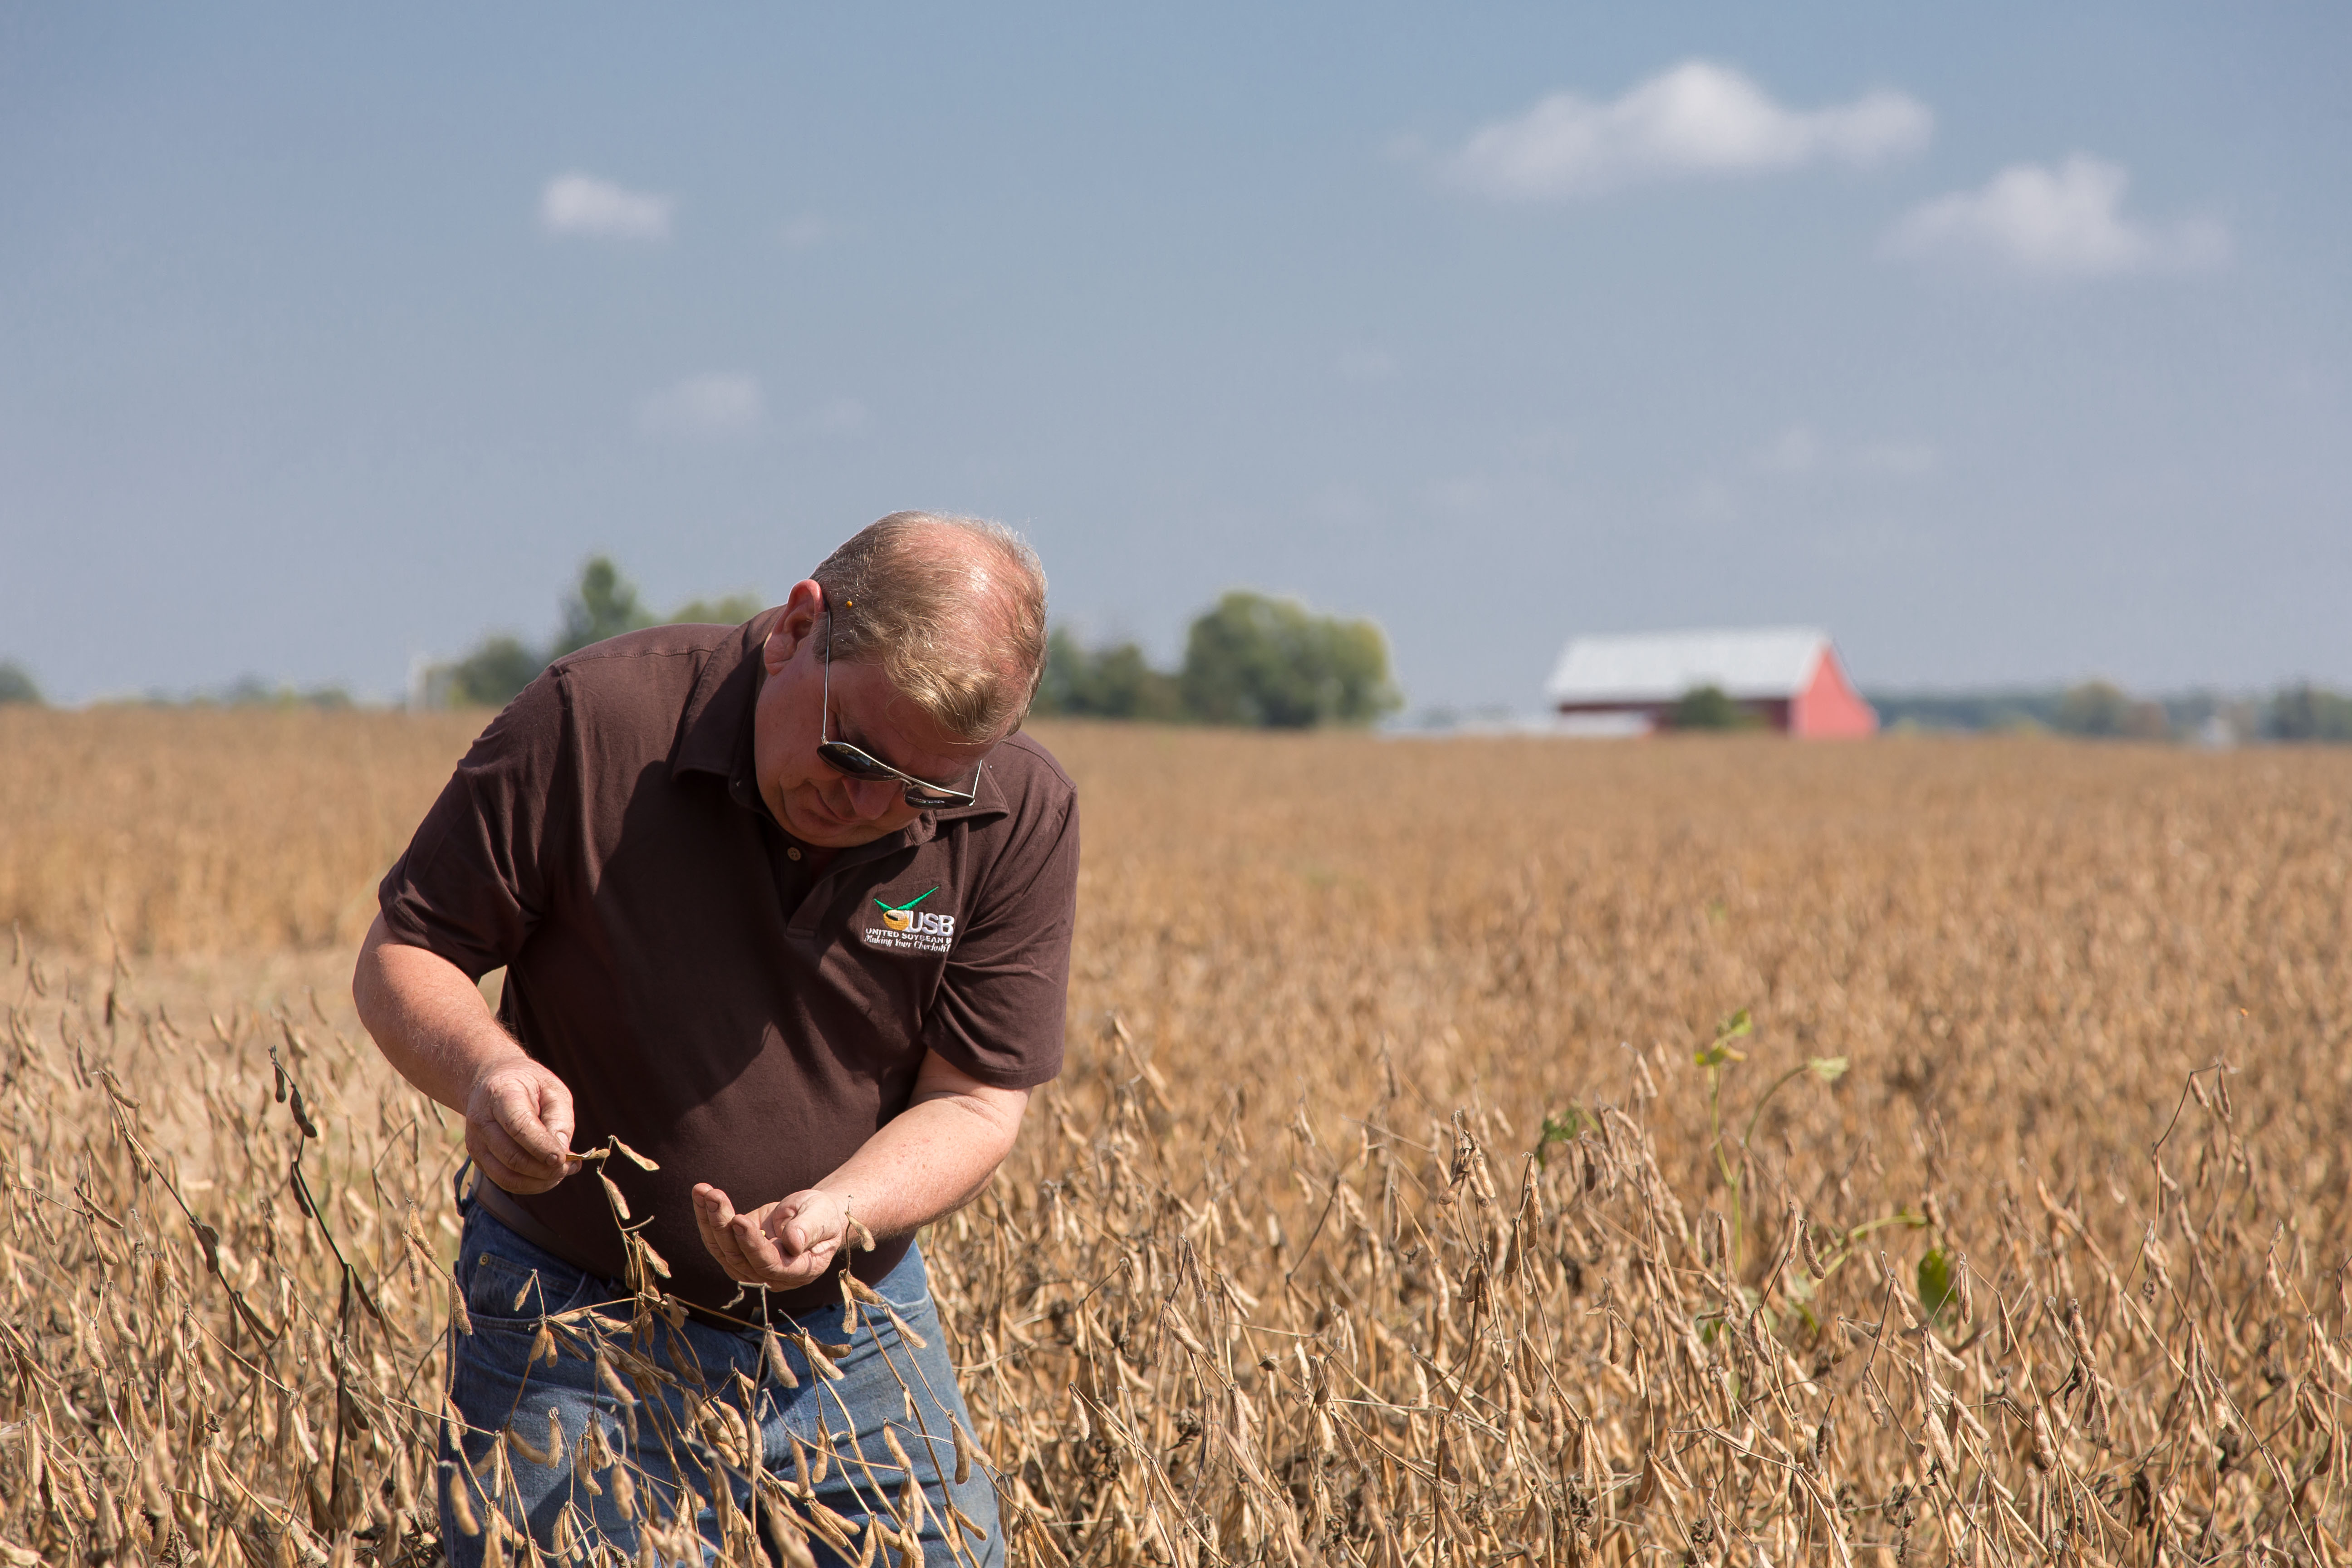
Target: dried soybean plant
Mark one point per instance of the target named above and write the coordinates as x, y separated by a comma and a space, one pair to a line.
232, 831
667, 1417
1393, 1220
1470, 1355
246, 1366
226, 1366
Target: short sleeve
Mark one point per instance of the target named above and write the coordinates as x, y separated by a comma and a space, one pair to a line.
999, 1009
473, 881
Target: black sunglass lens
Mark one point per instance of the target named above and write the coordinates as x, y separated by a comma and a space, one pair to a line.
848, 759
844, 758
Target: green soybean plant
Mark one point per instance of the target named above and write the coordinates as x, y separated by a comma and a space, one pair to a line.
1731, 1156
1716, 1057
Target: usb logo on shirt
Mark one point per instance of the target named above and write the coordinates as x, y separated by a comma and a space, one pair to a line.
906, 929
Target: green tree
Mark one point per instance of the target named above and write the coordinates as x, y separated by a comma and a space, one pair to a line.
727, 610
603, 606
494, 673
1111, 682
17, 685
1708, 707
253, 691
2094, 708
2308, 712
1125, 686
1257, 661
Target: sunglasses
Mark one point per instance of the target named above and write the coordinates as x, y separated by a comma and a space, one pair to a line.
850, 762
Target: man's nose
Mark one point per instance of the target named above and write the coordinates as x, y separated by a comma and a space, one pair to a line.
868, 800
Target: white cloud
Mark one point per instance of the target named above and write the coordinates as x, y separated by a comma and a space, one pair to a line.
1802, 450
1795, 450
2062, 223
1902, 459
807, 231
1712, 500
583, 203
1696, 119
722, 406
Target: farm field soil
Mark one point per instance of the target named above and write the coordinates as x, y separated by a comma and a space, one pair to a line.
1384, 1214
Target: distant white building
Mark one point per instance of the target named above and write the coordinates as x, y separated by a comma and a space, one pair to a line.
1787, 678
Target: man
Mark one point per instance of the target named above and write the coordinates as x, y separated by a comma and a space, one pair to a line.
785, 913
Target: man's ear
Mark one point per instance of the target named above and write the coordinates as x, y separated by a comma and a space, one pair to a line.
802, 619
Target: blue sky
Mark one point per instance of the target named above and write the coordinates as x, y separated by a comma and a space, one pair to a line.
2011, 344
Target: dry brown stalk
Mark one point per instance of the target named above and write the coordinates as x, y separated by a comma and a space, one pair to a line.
1274, 1279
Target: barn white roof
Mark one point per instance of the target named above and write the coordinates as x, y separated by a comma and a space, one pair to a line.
1659, 666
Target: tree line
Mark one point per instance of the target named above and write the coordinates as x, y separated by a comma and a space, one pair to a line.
603, 605
1249, 659
1255, 659
2091, 710
17, 686
2100, 710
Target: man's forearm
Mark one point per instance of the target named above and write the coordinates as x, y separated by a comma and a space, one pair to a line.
431, 1023
928, 1162
429, 1020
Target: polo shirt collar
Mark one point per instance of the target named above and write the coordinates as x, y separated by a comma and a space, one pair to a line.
714, 732
718, 710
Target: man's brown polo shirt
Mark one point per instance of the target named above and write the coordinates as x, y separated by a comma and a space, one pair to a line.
671, 956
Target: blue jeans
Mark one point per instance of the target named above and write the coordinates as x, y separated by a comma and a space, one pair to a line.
649, 1444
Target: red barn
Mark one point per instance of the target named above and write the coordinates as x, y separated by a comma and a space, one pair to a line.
1789, 678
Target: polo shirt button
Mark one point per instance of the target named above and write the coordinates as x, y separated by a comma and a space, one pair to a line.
793, 854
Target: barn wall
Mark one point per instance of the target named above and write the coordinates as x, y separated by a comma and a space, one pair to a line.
1829, 707
1657, 718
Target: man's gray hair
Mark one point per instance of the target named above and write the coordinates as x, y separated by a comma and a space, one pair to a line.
952, 608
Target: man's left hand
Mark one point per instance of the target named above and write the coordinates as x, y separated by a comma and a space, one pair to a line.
783, 1245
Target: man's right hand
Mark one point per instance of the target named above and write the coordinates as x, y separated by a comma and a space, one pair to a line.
519, 1124
431, 1022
